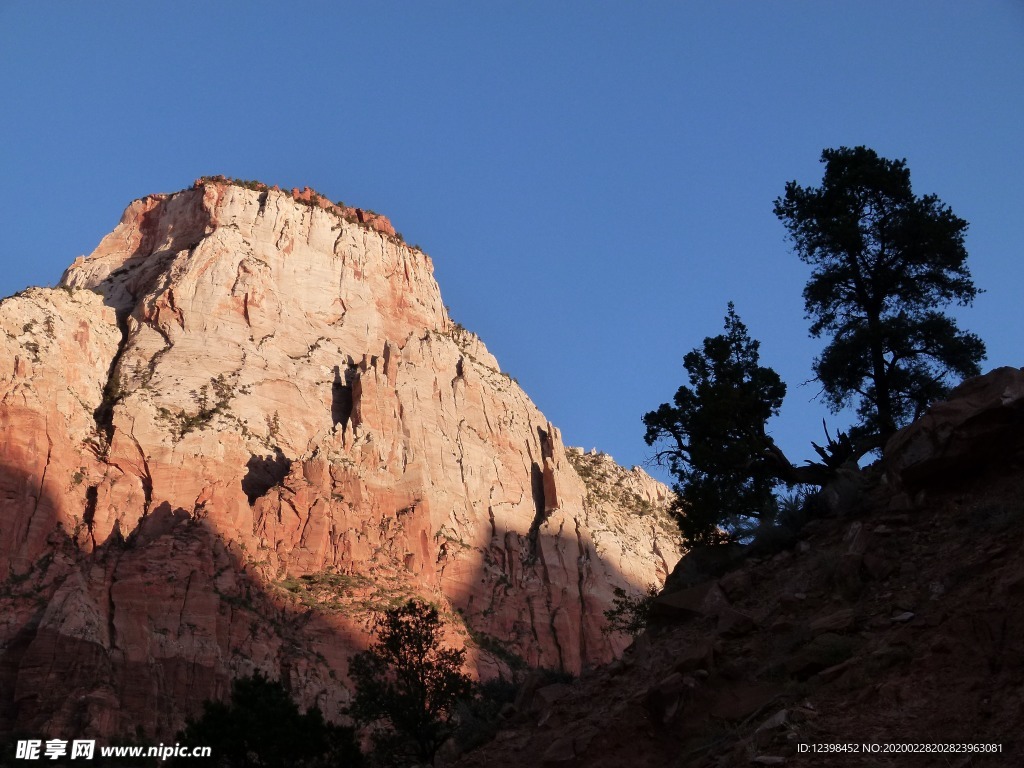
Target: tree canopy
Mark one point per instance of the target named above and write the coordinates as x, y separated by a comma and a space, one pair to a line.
713, 436
409, 680
884, 262
262, 726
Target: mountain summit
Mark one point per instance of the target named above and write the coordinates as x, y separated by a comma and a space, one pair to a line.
242, 425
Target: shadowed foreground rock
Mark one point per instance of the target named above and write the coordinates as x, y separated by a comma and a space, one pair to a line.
900, 622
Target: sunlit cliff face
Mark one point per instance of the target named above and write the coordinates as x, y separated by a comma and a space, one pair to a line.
244, 424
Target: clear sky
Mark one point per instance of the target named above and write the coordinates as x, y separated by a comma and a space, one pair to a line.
594, 180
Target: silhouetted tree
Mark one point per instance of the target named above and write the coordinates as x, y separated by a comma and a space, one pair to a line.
714, 440
884, 262
407, 679
262, 726
630, 614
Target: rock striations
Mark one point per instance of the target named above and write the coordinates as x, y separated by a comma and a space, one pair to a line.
246, 422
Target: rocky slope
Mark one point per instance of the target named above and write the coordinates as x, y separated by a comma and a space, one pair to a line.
899, 623
246, 422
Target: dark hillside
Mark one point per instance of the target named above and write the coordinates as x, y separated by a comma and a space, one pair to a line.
900, 622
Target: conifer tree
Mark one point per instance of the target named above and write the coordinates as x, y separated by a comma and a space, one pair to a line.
884, 263
713, 437
407, 679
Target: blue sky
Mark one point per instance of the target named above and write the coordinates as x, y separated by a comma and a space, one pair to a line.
593, 180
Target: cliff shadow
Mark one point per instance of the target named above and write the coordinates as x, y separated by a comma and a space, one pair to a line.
35, 552
263, 473
178, 583
539, 515
341, 396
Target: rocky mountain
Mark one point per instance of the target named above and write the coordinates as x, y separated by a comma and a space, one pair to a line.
242, 425
887, 632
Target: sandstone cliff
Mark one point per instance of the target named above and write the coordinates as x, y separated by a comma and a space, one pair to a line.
246, 422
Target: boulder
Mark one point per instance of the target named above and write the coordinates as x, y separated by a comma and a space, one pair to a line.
570, 747
733, 623
694, 657
840, 621
704, 564
824, 651
979, 424
704, 600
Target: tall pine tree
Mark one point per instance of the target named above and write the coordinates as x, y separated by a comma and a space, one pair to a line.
884, 264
